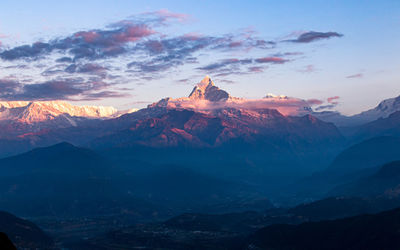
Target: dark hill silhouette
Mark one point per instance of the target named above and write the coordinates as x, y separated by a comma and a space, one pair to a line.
64, 180
385, 183
376, 231
24, 234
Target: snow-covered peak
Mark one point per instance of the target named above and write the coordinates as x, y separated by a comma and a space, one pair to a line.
205, 82
383, 110
39, 111
206, 90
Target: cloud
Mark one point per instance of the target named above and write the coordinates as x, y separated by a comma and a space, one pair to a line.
234, 65
162, 16
355, 76
256, 69
332, 103
312, 36
135, 49
87, 68
225, 63
323, 107
333, 99
97, 43
286, 106
273, 60
93, 44
59, 89
308, 69
314, 102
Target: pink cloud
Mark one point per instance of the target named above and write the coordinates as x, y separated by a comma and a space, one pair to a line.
193, 36
133, 33
274, 59
165, 15
333, 99
314, 102
256, 69
88, 36
235, 44
286, 106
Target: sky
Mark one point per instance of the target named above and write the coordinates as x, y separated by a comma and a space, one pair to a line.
129, 54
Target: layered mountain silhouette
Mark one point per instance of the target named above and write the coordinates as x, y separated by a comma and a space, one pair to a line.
210, 157
358, 161
385, 183
64, 180
388, 126
367, 154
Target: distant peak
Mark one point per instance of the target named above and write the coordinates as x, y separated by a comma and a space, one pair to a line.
206, 90
205, 82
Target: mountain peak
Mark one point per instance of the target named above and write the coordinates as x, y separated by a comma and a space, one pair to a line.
205, 82
206, 90
39, 111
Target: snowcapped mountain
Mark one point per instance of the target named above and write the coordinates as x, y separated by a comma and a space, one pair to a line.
24, 119
383, 110
35, 112
206, 97
206, 90
210, 117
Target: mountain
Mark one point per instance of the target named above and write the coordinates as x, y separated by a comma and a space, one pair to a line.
206, 90
206, 97
5, 242
209, 116
385, 183
367, 154
265, 141
26, 125
375, 231
227, 230
384, 109
389, 126
33, 112
22, 119
23, 233
219, 118
64, 180
353, 163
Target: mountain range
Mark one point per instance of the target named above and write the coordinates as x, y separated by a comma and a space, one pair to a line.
205, 97
198, 172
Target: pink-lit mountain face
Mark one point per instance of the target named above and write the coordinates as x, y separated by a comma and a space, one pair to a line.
20, 118
208, 117
206, 97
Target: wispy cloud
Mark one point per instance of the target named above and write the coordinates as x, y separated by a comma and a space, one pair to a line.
333, 99
359, 75
311, 36
62, 89
332, 102
90, 63
307, 69
274, 60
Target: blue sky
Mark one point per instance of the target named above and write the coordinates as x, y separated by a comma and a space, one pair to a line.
358, 61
